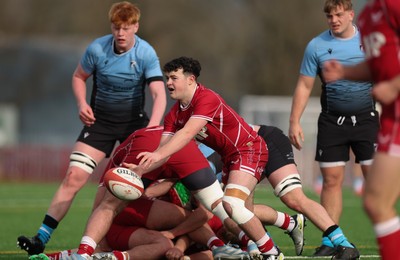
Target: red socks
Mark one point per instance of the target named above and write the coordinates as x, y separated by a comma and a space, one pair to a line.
389, 246
85, 249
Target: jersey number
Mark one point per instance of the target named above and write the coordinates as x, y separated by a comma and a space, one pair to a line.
373, 43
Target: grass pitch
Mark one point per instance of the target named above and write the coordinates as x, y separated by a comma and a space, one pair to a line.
23, 205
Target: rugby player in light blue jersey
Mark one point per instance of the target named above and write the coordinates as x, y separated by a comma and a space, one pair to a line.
121, 65
348, 119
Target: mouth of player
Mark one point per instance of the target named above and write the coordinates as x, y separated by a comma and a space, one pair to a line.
120, 41
335, 27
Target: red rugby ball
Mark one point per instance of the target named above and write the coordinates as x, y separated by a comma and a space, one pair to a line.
123, 183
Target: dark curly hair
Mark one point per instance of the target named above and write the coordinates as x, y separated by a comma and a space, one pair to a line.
188, 65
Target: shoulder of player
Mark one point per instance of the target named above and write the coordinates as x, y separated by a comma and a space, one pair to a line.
100, 44
321, 38
103, 40
142, 44
315, 43
143, 51
203, 90
205, 94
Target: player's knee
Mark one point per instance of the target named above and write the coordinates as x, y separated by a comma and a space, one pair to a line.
82, 161
234, 203
368, 207
209, 195
112, 204
164, 243
372, 207
72, 183
288, 184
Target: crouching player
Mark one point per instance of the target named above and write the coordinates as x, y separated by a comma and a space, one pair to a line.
191, 168
144, 229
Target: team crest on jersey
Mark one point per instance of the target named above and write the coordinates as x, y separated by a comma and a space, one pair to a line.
330, 51
133, 63
201, 135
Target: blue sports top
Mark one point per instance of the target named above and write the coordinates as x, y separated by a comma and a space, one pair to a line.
119, 80
341, 97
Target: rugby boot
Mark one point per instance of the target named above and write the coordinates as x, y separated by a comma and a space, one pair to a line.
297, 234
253, 251
346, 253
76, 256
32, 245
227, 252
324, 250
40, 256
278, 256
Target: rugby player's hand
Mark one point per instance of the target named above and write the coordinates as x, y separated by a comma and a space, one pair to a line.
386, 92
174, 254
296, 135
147, 159
133, 167
86, 114
332, 70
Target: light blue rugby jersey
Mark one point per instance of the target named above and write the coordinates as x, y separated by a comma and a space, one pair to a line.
342, 97
119, 80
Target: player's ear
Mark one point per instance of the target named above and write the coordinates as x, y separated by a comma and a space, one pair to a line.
136, 27
352, 14
191, 79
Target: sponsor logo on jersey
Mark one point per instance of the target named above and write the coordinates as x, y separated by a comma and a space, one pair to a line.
201, 135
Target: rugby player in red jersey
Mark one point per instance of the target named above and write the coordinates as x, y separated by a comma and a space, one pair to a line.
202, 114
189, 165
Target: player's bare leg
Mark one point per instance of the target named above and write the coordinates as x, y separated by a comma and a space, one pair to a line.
83, 161
382, 190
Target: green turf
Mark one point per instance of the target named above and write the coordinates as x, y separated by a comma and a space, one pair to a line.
354, 223
23, 205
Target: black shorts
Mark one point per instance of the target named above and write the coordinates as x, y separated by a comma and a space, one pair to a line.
280, 150
337, 134
103, 136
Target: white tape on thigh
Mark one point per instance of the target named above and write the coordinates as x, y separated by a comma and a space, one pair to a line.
209, 195
290, 183
240, 214
83, 161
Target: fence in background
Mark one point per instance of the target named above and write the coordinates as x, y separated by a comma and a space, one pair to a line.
49, 163
36, 163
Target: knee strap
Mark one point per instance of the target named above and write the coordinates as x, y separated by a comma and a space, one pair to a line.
83, 161
290, 183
